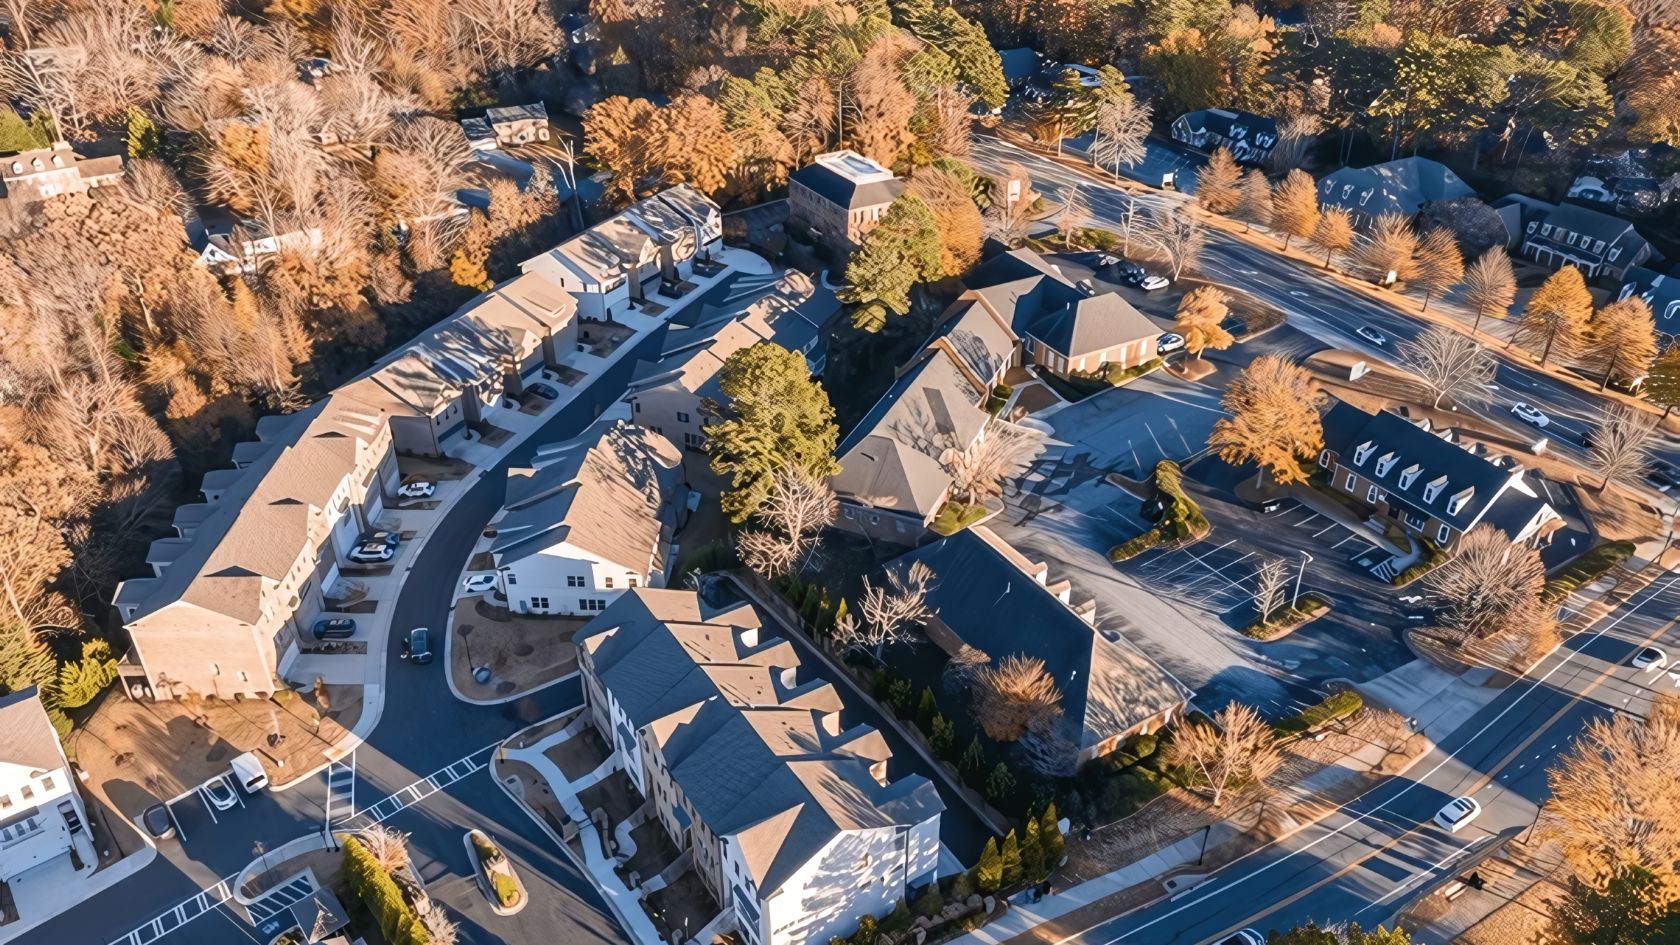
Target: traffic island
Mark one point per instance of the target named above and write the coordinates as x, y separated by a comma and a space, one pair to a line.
1288, 618
494, 874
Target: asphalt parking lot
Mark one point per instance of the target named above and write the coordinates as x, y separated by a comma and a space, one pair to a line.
1129, 429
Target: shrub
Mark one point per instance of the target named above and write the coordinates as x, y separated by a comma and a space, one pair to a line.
1143, 746
1337, 705
507, 891
866, 931
942, 737
1010, 854
899, 919
1136, 545
1588, 568
379, 892
1116, 375
930, 902
962, 886
1433, 557
899, 695
1000, 783
487, 852
988, 871
973, 763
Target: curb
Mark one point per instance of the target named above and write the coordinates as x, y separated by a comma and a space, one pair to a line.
484, 884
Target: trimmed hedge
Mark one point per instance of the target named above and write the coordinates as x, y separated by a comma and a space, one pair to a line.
1181, 517
379, 892
1116, 375
1337, 705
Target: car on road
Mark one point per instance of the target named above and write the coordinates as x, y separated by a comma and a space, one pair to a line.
417, 646
1458, 813
479, 583
249, 773
1662, 475
1530, 414
158, 823
1244, 937
1171, 341
334, 628
374, 552
1105, 260
1650, 658
1371, 334
544, 391
418, 489
220, 793
1087, 286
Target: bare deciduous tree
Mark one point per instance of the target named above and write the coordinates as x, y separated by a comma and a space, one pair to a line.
1450, 365
979, 470
1070, 216
388, 847
767, 553
440, 928
1386, 253
1490, 586
1237, 751
801, 505
1015, 696
1621, 445
891, 611
1176, 235
1270, 579
1123, 123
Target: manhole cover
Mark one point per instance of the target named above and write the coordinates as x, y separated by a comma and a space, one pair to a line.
504, 687
524, 649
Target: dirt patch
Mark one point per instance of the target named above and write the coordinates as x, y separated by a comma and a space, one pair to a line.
137, 752
1191, 369
491, 435
654, 851
603, 338
580, 754
1034, 397
522, 651
682, 907
615, 795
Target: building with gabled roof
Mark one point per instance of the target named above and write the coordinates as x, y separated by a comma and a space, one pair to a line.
1418, 477
1401, 187
988, 598
788, 812
840, 196
1249, 137
1557, 235
30, 176
1661, 292
1060, 327
591, 518
43, 820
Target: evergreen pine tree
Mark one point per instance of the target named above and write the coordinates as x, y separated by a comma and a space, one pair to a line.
999, 783
1011, 859
1050, 837
973, 764
1032, 852
143, 135
988, 872
926, 710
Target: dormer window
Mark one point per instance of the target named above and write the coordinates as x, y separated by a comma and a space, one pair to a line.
1387, 462
1409, 475
1456, 503
1546, 230
1434, 488
1363, 452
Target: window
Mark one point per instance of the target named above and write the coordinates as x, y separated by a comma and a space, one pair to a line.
632, 582
1442, 534
848, 513
5, 801
1371, 494
47, 783
1348, 482
574, 580
540, 603
606, 582
637, 405
26, 792
1546, 230
591, 603
1324, 459
1457, 503
512, 579
1598, 247
682, 417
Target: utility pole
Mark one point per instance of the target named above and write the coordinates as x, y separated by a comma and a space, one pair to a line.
1306, 559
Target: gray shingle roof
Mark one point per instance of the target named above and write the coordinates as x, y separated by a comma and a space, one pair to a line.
1402, 187
843, 191
1108, 685
755, 748
1025, 289
27, 738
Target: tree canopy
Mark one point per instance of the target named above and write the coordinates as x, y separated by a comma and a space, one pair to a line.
775, 416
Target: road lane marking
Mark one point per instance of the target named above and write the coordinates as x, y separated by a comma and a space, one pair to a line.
1357, 817
1411, 879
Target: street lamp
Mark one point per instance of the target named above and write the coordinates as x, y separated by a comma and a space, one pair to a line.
1306, 559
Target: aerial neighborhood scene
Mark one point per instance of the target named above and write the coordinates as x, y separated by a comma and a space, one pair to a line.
839, 472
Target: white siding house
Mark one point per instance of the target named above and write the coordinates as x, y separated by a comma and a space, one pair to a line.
42, 819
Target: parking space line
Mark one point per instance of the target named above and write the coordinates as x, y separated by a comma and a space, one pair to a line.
1324, 529
1351, 537
1303, 522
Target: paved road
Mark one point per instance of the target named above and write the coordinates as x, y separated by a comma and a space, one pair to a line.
1317, 304
1373, 856
422, 730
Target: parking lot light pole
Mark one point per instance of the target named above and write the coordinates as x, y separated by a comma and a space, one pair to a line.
1306, 559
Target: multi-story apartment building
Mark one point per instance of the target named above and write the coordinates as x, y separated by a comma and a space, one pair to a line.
629, 260
42, 818
590, 519
791, 820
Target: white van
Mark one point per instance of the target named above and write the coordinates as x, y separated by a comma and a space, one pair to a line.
248, 773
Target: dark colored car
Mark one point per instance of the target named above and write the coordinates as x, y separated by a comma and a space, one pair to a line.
158, 822
1663, 475
335, 628
544, 391
417, 648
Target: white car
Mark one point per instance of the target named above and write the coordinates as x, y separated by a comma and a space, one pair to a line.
249, 773
374, 552
1459, 812
1528, 413
220, 793
1107, 259
1244, 937
1371, 334
1153, 283
479, 583
1650, 658
418, 489
1171, 341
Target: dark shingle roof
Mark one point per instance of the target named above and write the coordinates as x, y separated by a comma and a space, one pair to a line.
1661, 291
1108, 685
842, 191
1402, 186
1037, 300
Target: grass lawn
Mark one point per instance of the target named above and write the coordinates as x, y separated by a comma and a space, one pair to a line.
955, 517
1588, 568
